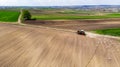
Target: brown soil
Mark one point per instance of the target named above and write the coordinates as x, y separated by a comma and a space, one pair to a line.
78, 24
25, 46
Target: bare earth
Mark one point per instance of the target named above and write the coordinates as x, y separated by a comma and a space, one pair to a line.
78, 24
26, 46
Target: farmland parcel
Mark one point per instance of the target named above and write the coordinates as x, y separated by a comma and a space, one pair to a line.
8, 16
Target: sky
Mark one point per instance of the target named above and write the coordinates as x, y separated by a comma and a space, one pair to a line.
57, 2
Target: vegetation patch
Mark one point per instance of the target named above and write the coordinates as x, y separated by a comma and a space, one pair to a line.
72, 17
25, 15
9, 16
113, 32
70, 14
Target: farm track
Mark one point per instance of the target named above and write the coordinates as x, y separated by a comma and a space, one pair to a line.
23, 46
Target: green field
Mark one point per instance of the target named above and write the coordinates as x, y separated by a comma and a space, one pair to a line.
9, 16
72, 17
70, 14
113, 32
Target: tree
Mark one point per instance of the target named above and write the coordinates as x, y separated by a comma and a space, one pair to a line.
26, 15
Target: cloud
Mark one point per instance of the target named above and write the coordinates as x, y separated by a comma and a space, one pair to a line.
56, 2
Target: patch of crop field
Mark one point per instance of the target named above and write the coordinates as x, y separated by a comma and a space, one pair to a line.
70, 14
113, 32
114, 15
72, 17
9, 16
57, 14
75, 12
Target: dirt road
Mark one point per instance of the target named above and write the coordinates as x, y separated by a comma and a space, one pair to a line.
23, 46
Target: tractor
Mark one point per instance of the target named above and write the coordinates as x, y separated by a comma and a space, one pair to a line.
81, 32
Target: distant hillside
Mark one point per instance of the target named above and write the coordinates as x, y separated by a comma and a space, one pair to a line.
72, 7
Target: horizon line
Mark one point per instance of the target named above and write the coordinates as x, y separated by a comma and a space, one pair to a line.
58, 6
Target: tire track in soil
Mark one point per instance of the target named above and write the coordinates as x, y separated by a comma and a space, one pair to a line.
22, 46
